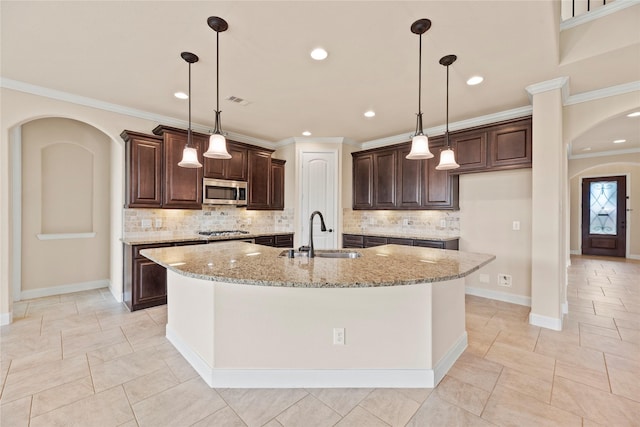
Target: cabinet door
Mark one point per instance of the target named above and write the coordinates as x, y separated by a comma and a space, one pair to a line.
384, 179
372, 241
283, 241
182, 186
439, 187
150, 281
277, 184
429, 244
352, 241
265, 240
363, 181
234, 168
409, 180
259, 169
144, 170
510, 145
471, 150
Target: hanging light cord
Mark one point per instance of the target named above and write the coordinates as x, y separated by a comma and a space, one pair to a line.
217, 125
447, 130
189, 130
419, 118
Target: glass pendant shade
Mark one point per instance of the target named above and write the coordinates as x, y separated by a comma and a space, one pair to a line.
189, 158
217, 147
420, 148
447, 160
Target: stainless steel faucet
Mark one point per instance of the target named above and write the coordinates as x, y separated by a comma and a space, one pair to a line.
323, 227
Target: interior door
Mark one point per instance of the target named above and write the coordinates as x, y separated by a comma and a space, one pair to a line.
604, 208
319, 193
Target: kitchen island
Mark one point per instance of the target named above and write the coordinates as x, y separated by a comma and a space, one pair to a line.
243, 315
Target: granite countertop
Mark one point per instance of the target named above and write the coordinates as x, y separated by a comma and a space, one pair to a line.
191, 237
387, 265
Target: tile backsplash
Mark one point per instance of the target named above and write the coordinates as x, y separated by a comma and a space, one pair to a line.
182, 221
402, 223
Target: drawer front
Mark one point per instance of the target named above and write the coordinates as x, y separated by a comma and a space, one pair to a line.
397, 241
265, 240
371, 241
352, 241
284, 241
437, 244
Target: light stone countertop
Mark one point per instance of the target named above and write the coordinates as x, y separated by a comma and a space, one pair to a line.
388, 265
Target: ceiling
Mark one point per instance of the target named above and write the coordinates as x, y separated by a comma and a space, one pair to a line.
128, 53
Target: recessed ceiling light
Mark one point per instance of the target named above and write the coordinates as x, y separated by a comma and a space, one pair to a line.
634, 114
306, 133
475, 80
181, 95
619, 141
319, 54
370, 113
586, 149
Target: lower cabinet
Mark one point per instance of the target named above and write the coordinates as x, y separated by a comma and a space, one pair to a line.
362, 241
278, 240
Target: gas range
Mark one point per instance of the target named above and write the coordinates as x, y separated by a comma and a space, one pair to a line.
223, 233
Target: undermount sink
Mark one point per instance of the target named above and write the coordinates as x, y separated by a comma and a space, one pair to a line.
323, 253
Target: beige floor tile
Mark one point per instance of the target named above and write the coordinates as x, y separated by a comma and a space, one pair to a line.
341, 400
630, 335
14, 349
16, 413
361, 418
511, 408
181, 405
592, 319
571, 353
566, 336
524, 338
67, 323
462, 395
573, 308
44, 376
627, 323
20, 329
596, 405
418, 395
124, 369
273, 423
390, 406
530, 363
120, 316
109, 408
147, 385
88, 295
526, 384
631, 307
111, 352
225, 417
624, 375
479, 342
592, 377
158, 314
61, 395
309, 412
19, 310
613, 333
96, 306
52, 311
257, 406
31, 360
436, 412
79, 341
142, 330
180, 368
611, 346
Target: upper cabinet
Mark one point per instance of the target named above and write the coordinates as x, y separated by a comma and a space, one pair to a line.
266, 181
439, 187
384, 178
144, 170
234, 168
505, 145
363, 180
277, 184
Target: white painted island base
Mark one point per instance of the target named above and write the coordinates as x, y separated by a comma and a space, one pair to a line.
249, 336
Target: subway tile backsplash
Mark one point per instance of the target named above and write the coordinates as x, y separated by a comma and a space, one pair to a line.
402, 223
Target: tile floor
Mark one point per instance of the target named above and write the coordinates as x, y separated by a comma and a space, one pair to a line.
81, 359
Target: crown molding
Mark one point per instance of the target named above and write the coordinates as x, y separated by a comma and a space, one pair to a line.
561, 83
604, 10
120, 109
459, 125
603, 93
604, 153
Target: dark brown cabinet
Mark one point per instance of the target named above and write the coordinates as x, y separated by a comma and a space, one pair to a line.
506, 145
409, 185
277, 184
363, 181
145, 282
278, 240
259, 168
234, 168
364, 241
144, 170
439, 188
384, 179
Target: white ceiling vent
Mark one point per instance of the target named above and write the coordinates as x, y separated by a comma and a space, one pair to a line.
237, 100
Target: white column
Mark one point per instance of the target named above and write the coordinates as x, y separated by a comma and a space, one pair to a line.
548, 205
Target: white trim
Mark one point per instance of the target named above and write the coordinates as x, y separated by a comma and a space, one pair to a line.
552, 323
633, 256
5, 318
565, 307
553, 84
65, 236
15, 147
319, 378
575, 252
120, 109
603, 93
459, 125
116, 296
604, 153
600, 12
64, 289
497, 295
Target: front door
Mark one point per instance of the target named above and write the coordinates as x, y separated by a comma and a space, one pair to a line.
604, 209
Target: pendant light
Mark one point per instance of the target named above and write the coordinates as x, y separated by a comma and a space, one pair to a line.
420, 142
217, 142
447, 157
189, 154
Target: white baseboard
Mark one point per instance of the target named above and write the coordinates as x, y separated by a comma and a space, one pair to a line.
64, 289
545, 321
5, 318
565, 307
319, 378
497, 295
118, 297
575, 252
633, 256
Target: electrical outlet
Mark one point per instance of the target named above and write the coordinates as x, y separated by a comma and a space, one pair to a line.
504, 280
146, 223
443, 223
516, 225
484, 278
338, 336
158, 223
405, 221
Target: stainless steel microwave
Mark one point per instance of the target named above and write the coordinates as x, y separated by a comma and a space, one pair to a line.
224, 192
